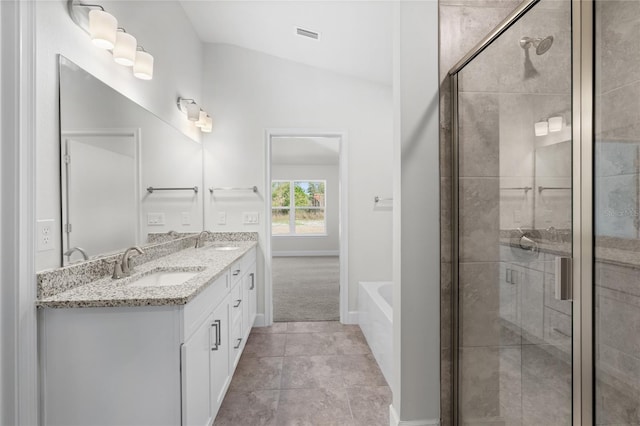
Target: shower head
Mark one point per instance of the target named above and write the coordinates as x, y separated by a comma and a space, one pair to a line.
542, 45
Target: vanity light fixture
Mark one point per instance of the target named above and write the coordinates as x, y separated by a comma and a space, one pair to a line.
202, 120
103, 29
143, 65
208, 126
541, 128
194, 113
555, 123
124, 51
189, 107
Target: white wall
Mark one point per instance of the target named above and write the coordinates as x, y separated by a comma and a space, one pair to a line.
178, 72
416, 246
318, 244
249, 92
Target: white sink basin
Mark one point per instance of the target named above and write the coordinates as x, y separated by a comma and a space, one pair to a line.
163, 279
223, 247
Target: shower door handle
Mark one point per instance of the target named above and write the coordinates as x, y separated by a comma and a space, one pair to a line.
564, 278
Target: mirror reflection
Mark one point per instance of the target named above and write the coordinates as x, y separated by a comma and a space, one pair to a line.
126, 176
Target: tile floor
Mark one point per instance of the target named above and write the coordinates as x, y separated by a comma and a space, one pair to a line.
306, 373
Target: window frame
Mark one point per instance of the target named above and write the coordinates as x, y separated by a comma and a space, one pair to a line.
291, 208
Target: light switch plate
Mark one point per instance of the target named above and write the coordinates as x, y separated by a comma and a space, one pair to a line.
45, 234
250, 218
155, 219
222, 218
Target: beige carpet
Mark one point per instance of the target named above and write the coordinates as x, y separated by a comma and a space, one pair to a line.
306, 288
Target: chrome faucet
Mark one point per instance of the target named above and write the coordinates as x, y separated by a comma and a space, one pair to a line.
69, 252
126, 259
199, 242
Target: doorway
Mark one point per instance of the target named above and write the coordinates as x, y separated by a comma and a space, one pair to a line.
306, 227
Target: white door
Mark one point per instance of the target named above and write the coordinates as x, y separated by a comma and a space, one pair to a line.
220, 354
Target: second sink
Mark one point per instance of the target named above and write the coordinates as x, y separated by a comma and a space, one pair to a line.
164, 278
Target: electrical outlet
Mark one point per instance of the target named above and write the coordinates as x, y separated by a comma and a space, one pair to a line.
45, 234
155, 219
222, 218
250, 218
186, 218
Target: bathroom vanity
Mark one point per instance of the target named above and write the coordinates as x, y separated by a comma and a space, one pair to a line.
143, 350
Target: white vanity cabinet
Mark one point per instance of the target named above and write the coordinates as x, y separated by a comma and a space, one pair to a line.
145, 365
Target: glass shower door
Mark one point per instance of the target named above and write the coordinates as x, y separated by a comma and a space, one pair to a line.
514, 223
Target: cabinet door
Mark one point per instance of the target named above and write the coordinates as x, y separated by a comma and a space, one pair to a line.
246, 323
196, 373
252, 299
220, 354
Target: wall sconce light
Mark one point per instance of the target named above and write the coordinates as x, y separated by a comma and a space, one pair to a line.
541, 128
195, 113
555, 123
124, 51
103, 29
208, 125
143, 65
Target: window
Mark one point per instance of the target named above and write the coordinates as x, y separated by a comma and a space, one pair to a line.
298, 207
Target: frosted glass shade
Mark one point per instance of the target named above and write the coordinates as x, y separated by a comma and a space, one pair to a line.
202, 119
541, 128
124, 51
103, 27
193, 111
143, 66
208, 126
555, 124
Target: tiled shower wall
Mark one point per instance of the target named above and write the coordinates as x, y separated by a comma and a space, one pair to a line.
463, 23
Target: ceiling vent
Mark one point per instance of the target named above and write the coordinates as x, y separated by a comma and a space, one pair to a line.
306, 33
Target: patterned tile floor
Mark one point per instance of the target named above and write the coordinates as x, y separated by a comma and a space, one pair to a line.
306, 373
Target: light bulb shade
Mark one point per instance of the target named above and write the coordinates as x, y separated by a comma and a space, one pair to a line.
143, 66
124, 51
202, 119
555, 124
103, 27
208, 126
193, 111
541, 128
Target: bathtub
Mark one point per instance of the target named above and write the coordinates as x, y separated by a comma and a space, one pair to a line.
375, 316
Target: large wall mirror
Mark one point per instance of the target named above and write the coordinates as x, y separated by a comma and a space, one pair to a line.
126, 175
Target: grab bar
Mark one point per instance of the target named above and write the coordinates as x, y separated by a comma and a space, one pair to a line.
253, 188
151, 189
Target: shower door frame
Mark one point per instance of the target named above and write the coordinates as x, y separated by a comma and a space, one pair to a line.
582, 66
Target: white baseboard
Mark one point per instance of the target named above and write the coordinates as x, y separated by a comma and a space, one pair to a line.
259, 322
296, 253
352, 318
394, 420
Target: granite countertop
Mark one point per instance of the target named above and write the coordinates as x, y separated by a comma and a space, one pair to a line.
107, 292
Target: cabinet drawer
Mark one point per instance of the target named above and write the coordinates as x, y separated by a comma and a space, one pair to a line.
236, 344
236, 302
200, 307
235, 271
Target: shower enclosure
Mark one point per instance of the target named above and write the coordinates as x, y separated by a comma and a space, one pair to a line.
546, 218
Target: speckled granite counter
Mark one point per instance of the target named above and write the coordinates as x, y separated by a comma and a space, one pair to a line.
107, 292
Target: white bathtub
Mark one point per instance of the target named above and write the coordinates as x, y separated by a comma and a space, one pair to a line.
375, 316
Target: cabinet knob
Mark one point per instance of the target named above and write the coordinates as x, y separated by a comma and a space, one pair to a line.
238, 345
238, 302
236, 272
